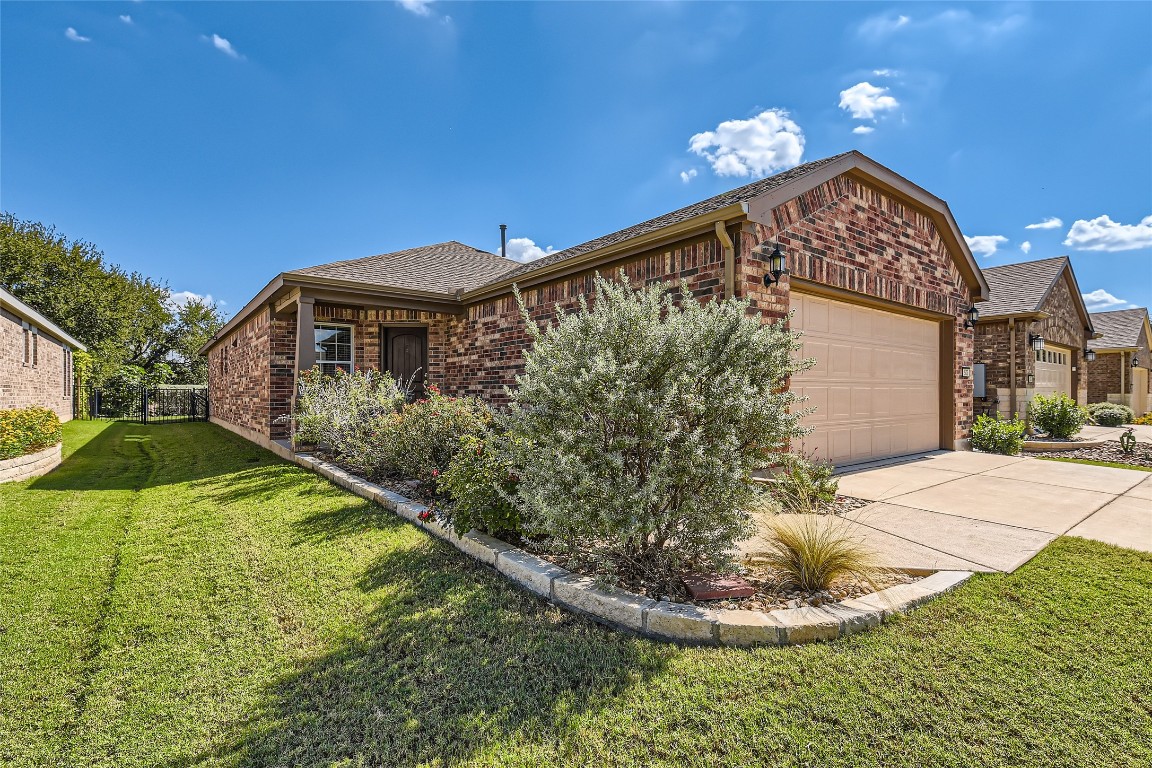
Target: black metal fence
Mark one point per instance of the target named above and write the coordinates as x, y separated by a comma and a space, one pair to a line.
147, 405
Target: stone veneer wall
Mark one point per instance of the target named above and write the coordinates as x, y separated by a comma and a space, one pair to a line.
24, 385
849, 235
1064, 327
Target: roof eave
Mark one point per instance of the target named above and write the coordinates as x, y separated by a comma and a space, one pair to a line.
22, 310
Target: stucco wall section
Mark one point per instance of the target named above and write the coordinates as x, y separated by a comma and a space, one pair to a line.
23, 385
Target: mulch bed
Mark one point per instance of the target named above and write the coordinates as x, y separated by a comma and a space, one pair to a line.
1111, 451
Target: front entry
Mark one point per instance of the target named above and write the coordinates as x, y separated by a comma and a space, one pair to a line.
405, 356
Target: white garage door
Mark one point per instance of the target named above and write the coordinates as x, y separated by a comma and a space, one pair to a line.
1053, 370
876, 382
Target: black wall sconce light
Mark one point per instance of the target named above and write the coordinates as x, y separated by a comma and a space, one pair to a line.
1135, 361
1089, 355
1030, 380
971, 315
775, 261
1036, 341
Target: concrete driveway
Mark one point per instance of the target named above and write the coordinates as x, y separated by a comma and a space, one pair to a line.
984, 512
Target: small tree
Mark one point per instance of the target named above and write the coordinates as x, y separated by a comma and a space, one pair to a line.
641, 419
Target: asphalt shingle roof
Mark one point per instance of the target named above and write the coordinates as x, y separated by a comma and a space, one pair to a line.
1121, 328
740, 195
440, 268
1020, 288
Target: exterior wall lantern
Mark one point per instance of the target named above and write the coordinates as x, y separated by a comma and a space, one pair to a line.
1089, 355
1036, 341
775, 261
971, 315
1135, 361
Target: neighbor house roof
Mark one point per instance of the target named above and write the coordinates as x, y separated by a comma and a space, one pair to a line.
1016, 289
32, 317
441, 268
723, 200
1119, 329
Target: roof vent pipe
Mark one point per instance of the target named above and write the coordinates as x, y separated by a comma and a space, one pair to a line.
503, 241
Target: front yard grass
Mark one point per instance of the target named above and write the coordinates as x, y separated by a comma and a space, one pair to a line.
173, 595
1114, 464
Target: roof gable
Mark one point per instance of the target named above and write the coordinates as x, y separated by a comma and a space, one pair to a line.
1119, 329
1016, 289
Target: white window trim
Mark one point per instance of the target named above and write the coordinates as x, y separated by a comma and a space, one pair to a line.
351, 361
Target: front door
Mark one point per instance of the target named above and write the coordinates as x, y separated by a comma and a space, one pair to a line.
406, 357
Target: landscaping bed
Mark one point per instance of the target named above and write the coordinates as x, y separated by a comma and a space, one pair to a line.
1108, 452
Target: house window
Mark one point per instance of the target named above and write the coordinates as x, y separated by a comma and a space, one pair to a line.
35, 348
334, 348
67, 372
27, 344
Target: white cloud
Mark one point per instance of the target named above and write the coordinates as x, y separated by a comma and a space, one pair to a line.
523, 249
864, 100
688, 175
863, 129
75, 36
985, 245
885, 72
961, 28
768, 142
180, 298
418, 7
878, 27
1026, 247
221, 44
1103, 234
126, 18
1052, 222
1100, 300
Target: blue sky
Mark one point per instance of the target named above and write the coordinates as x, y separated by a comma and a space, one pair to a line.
213, 145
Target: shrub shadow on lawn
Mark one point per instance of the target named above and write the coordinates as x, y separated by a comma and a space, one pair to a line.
452, 661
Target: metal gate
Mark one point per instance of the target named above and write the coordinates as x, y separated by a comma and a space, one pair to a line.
147, 405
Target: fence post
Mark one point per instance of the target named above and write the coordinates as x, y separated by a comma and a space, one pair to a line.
144, 405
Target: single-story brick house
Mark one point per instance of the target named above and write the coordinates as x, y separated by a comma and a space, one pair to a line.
1031, 336
35, 359
1119, 374
878, 274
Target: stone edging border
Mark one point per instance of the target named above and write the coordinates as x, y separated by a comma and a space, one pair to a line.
1061, 445
31, 464
678, 622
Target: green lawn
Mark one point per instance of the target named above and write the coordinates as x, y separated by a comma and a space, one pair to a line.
174, 596
1114, 464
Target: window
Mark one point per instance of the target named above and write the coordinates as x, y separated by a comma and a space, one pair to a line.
334, 348
27, 344
67, 372
35, 348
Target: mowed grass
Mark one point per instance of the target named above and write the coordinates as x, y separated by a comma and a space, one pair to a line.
1113, 464
174, 596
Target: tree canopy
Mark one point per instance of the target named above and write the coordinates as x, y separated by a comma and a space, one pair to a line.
125, 319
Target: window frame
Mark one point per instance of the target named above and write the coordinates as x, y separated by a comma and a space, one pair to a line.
350, 362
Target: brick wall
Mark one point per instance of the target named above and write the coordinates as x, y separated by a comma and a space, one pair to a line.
849, 235
239, 375
23, 385
1064, 327
1104, 376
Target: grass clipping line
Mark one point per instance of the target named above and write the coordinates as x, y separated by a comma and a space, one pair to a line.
813, 550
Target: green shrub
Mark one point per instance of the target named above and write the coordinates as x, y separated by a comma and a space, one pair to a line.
420, 440
342, 412
1111, 414
812, 551
1057, 416
803, 485
28, 430
481, 487
993, 435
638, 423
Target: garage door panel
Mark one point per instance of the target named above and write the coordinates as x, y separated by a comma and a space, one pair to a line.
876, 385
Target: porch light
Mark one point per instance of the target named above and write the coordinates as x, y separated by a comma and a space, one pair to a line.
775, 264
971, 316
1089, 355
1135, 361
1036, 341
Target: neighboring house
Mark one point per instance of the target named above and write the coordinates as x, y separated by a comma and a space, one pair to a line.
879, 276
1031, 336
1119, 374
35, 359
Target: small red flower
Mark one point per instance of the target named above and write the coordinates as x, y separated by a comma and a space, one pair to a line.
425, 515
435, 473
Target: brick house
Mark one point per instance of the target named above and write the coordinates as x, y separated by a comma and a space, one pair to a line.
878, 275
1119, 374
35, 359
1031, 301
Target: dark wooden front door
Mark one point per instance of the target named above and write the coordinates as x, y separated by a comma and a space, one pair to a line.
406, 356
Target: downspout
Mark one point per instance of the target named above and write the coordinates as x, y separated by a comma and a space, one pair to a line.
729, 260
1012, 366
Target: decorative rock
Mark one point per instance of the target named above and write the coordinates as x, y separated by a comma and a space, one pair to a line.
714, 586
677, 621
745, 628
529, 571
805, 625
617, 607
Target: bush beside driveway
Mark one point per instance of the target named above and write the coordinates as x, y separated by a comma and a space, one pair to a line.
174, 595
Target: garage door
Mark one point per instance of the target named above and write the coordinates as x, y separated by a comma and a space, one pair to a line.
1053, 370
876, 382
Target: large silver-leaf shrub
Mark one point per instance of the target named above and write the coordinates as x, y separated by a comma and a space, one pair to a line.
646, 415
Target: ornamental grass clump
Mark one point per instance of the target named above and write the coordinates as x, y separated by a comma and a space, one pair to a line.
804, 485
639, 420
811, 551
